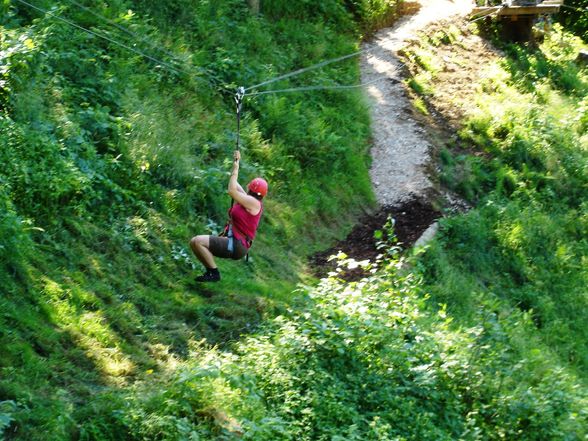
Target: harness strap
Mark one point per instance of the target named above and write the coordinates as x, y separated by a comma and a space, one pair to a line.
230, 245
228, 233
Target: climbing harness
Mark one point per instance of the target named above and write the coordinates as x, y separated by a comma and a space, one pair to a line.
228, 233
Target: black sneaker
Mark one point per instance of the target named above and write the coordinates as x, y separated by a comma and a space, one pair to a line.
209, 276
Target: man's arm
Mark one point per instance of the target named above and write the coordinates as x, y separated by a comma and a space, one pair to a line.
237, 192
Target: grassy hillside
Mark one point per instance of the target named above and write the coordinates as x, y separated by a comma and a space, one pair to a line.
362, 361
111, 161
521, 156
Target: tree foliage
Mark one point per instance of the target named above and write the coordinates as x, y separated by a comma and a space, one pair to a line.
574, 17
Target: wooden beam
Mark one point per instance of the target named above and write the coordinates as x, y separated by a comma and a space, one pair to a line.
539, 9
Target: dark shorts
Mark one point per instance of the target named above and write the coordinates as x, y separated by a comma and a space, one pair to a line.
218, 246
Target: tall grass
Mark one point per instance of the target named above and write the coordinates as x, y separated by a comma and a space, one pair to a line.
111, 162
524, 243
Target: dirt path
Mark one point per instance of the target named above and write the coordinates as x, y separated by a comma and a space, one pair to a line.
400, 149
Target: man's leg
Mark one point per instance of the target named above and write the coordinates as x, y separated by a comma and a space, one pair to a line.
201, 247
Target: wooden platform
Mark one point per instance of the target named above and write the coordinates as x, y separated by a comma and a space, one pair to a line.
546, 7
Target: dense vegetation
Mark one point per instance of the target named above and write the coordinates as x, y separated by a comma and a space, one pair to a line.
522, 158
526, 240
574, 17
110, 162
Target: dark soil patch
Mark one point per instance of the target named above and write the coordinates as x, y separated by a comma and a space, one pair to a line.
411, 220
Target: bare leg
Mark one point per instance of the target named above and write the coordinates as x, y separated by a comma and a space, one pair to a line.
199, 245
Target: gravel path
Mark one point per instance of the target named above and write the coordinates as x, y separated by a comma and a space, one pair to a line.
400, 150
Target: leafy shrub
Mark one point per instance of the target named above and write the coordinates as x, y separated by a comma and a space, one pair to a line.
554, 61
374, 14
7, 408
574, 18
365, 361
15, 242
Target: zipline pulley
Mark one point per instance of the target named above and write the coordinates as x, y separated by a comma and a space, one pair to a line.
239, 95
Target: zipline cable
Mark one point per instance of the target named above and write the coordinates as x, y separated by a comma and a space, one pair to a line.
136, 51
485, 11
319, 87
241, 93
318, 65
575, 9
125, 30
173, 56
304, 69
584, 11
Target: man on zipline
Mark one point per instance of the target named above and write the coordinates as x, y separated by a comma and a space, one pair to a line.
240, 231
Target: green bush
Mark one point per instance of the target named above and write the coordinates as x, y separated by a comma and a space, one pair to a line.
16, 243
366, 361
574, 18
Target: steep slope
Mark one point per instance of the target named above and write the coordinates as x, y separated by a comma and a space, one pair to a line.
111, 160
103, 339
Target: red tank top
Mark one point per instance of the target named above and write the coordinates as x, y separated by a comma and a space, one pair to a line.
244, 223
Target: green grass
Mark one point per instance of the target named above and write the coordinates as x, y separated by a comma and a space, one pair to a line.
362, 361
524, 242
110, 165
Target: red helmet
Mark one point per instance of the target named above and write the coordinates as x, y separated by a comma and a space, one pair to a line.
259, 186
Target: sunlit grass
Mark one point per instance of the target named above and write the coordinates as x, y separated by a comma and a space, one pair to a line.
91, 330
520, 245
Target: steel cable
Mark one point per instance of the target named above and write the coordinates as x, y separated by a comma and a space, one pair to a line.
303, 70
123, 29
574, 8
497, 11
104, 37
319, 87
178, 70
